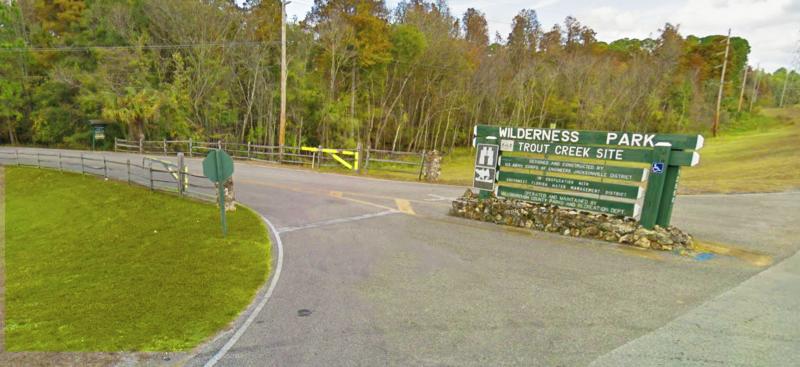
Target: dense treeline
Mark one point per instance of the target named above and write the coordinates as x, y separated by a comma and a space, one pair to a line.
409, 78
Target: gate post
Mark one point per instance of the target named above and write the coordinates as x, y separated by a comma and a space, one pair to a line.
357, 161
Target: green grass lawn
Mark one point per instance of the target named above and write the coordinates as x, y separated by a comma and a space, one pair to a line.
759, 155
102, 266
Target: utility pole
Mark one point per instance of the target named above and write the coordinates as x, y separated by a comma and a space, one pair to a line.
282, 131
755, 89
785, 83
741, 94
715, 126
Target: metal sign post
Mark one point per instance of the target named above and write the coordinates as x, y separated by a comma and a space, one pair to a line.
218, 167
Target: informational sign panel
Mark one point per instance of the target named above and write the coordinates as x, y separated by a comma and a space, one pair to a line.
486, 161
616, 173
99, 132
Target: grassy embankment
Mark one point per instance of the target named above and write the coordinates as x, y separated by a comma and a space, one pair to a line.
103, 266
757, 154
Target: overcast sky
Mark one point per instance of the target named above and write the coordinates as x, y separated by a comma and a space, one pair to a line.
771, 26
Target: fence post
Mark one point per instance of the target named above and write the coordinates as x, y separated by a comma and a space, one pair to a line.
83, 170
248, 150
655, 185
421, 165
366, 160
38, 164
180, 174
319, 156
115, 144
141, 145
191, 154
219, 144
60, 169
150, 169
128, 164
358, 158
105, 168
165, 147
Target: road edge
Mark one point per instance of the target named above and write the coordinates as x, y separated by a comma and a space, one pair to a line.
261, 303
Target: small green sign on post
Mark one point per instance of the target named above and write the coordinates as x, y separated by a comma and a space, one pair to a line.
218, 167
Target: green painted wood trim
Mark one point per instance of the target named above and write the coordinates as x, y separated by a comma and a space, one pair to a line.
670, 191
655, 186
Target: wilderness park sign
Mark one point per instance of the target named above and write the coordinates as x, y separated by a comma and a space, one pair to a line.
619, 173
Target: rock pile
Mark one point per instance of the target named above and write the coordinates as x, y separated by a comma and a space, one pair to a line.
570, 222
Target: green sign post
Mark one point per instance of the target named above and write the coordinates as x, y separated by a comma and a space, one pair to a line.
218, 167
629, 174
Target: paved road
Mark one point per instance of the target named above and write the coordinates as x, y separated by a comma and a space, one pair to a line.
390, 279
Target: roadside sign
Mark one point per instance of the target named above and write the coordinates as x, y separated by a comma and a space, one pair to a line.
618, 173
99, 132
486, 162
218, 167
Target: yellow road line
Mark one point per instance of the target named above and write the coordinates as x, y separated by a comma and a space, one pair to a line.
752, 257
404, 206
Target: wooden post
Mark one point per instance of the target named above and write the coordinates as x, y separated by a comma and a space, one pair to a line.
105, 168
715, 126
655, 185
60, 169
319, 156
366, 160
741, 94
115, 144
191, 153
83, 170
421, 165
150, 168
180, 174
248, 150
128, 164
165, 147
38, 164
141, 145
357, 161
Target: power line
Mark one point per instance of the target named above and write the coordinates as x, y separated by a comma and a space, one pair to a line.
132, 47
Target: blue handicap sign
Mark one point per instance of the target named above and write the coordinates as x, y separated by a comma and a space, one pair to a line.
658, 167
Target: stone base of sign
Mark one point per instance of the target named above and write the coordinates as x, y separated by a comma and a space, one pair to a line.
570, 222
230, 200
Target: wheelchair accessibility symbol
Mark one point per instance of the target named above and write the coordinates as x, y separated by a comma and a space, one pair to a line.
658, 167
